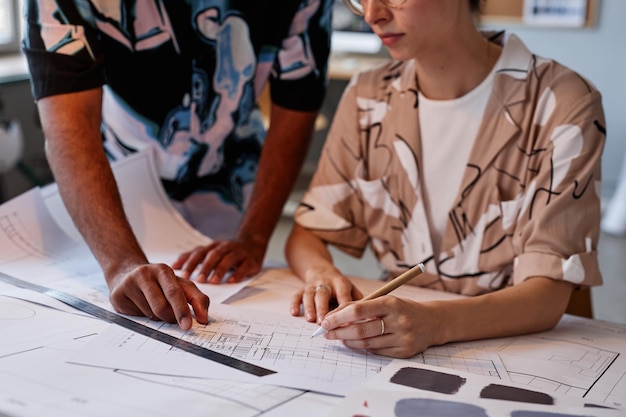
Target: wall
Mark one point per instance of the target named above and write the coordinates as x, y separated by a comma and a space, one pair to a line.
598, 53
18, 104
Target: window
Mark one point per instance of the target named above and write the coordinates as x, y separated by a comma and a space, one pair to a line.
10, 25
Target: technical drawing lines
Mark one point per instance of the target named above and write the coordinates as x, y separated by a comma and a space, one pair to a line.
565, 366
276, 342
463, 357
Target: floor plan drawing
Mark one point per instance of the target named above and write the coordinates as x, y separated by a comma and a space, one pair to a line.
277, 342
561, 362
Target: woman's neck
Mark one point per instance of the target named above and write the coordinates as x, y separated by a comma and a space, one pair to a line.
450, 71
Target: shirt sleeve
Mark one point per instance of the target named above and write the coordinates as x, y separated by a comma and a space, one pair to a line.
302, 62
331, 208
558, 228
61, 48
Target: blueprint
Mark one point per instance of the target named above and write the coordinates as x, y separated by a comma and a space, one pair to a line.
38, 245
35, 379
274, 341
581, 358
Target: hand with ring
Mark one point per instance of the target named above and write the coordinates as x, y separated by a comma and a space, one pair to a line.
321, 293
386, 325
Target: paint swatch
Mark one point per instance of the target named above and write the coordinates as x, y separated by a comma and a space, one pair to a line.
427, 407
428, 380
503, 392
524, 413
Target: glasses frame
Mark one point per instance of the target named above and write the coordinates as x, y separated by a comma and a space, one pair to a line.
355, 5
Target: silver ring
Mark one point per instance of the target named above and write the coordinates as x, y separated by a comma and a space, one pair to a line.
319, 287
382, 326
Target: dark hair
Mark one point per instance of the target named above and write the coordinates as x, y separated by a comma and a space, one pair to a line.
476, 6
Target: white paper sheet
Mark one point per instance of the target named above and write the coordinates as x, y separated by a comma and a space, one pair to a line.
26, 326
38, 382
274, 341
406, 389
160, 229
581, 358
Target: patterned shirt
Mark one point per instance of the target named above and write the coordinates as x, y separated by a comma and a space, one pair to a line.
183, 78
529, 200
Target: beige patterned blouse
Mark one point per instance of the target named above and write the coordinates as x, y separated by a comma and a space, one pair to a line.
529, 201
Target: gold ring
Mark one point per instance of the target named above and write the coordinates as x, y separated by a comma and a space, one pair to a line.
382, 326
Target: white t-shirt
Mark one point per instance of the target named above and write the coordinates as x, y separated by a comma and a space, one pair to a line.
448, 129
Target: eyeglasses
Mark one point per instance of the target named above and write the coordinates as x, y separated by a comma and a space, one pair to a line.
356, 7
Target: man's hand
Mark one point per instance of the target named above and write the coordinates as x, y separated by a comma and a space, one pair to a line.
154, 291
242, 257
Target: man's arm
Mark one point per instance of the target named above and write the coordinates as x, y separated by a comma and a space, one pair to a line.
286, 145
71, 124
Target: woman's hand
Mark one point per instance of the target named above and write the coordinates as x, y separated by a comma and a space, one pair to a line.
321, 288
387, 325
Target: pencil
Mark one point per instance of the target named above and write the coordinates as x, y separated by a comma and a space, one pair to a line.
401, 279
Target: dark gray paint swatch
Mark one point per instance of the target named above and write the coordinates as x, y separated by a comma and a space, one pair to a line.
428, 380
503, 392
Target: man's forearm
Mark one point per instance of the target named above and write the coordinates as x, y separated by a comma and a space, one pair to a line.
74, 149
285, 148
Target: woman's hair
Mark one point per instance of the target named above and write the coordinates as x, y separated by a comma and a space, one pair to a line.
476, 6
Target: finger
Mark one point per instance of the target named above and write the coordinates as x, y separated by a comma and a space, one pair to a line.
210, 271
248, 267
356, 293
154, 305
386, 343
343, 292
194, 259
174, 307
296, 303
182, 258
308, 303
348, 313
125, 305
229, 262
394, 352
198, 300
146, 296
322, 301
359, 332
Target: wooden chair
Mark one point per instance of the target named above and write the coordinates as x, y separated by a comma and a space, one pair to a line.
580, 303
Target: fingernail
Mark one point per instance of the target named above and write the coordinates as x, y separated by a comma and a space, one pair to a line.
184, 274
201, 278
185, 323
309, 316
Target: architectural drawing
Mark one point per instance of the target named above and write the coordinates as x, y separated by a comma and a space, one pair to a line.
274, 341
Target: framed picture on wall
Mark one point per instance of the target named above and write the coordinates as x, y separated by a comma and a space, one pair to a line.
566, 13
